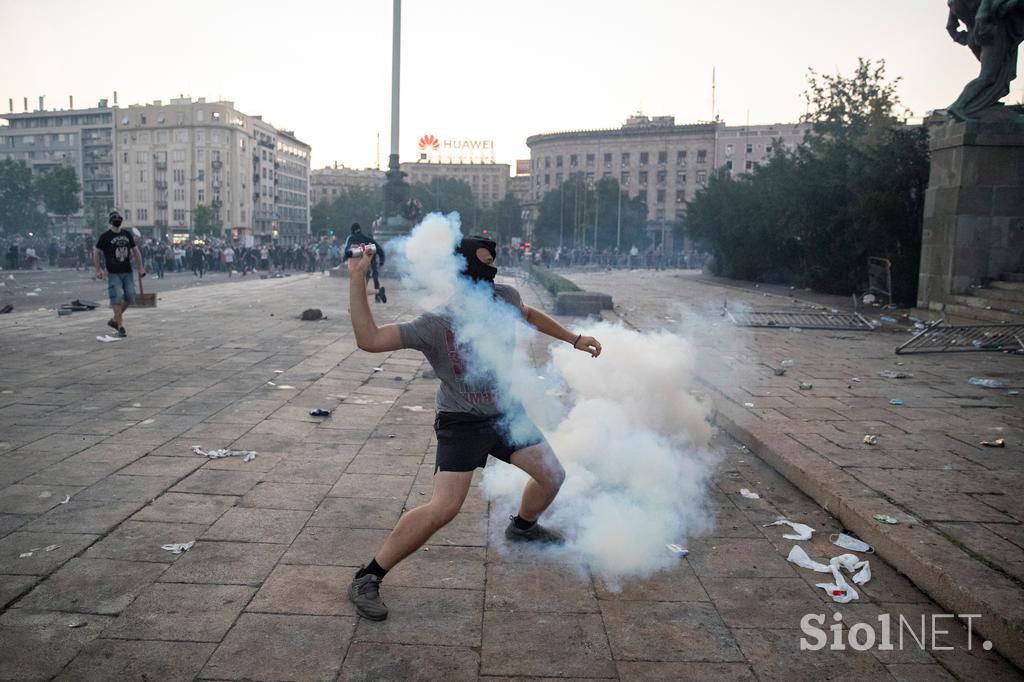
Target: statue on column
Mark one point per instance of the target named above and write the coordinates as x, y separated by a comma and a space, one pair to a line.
994, 30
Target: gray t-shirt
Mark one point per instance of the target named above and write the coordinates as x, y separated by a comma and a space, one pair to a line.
432, 334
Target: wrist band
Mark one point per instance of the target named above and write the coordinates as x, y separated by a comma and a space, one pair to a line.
578, 337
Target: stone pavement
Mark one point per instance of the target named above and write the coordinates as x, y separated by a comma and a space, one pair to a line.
959, 503
261, 595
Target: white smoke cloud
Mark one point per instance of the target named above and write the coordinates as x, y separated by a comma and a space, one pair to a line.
626, 426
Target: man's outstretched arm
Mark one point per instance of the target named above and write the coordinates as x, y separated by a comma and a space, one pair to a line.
548, 325
369, 336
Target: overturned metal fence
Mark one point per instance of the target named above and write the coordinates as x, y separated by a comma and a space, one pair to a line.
799, 319
942, 337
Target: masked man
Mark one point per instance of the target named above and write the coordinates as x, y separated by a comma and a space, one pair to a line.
116, 247
468, 423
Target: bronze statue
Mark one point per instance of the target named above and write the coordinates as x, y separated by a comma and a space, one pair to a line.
994, 30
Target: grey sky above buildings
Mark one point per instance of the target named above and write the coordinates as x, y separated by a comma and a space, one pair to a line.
471, 69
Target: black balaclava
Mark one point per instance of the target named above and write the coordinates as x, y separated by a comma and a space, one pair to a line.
356, 228
115, 219
476, 269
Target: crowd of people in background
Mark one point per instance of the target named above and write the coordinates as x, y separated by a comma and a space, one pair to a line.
633, 258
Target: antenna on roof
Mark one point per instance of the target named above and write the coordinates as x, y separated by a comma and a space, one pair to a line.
714, 115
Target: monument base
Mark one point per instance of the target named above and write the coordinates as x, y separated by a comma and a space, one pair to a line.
973, 228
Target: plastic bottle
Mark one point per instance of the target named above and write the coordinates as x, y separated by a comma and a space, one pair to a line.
985, 383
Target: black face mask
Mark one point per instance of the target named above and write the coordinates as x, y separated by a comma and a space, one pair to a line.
115, 220
476, 269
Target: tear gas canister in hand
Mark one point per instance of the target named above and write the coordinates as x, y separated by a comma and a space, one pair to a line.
359, 249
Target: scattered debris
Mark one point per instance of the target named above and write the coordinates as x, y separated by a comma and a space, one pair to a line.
223, 452
50, 548
1013, 391
804, 386
849, 542
748, 404
887, 318
249, 457
77, 623
178, 547
108, 339
6, 309
311, 315
378, 369
285, 387
278, 371
854, 380
803, 532
413, 408
985, 383
895, 401
271, 383
319, 413
885, 518
749, 495
871, 439
676, 549
840, 590
783, 366
997, 443
24, 555
895, 374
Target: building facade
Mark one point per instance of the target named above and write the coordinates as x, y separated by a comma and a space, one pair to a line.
81, 139
327, 183
488, 181
171, 159
653, 158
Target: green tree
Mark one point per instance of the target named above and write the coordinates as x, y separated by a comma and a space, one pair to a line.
58, 188
206, 222
566, 216
505, 219
445, 195
19, 204
813, 216
351, 205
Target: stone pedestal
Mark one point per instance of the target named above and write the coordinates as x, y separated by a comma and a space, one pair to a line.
973, 209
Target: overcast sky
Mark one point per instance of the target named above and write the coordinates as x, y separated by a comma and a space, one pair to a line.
471, 69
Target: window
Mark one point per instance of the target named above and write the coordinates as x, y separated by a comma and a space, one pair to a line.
728, 150
178, 155
547, 162
702, 156
142, 119
680, 196
573, 160
140, 157
181, 135
590, 160
624, 181
590, 178
161, 137
547, 178
142, 175
143, 214
124, 157
681, 178
558, 162
642, 178
558, 179
642, 195
662, 176
728, 165
750, 149
179, 195
179, 176
660, 196
608, 160
161, 118
767, 149
625, 159
662, 158
750, 165
128, 215
179, 215
215, 116
702, 177
643, 158
215, 137
199, 115
201, 195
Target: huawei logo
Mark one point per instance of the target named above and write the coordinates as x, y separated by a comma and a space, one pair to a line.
429, 142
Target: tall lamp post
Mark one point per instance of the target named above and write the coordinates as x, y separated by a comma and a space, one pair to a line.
397, 218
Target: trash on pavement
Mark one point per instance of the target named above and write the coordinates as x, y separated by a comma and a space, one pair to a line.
108, 339
868, 299
885, 518
178, 547
285, 387
798, 556
895, 401
749, 495
67, 498
985, 383
413, 408
803, 532
804, 386
223, 452
24, 555
840, 590
895, 374
849, 542
783, 366
6, 309
1013, 391
50, 548
77, 623
676, 549
311, 315
997, 443
249, 457
748, 404
318, 412
887, 318
871, 439
854, 380
378, 369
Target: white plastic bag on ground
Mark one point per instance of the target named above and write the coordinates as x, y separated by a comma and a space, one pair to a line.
851, 543
749, 495
798, 556
803, 532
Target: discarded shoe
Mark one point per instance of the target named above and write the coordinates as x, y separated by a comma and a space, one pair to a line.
365, 594
535, 533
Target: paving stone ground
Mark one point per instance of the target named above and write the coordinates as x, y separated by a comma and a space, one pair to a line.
261, 594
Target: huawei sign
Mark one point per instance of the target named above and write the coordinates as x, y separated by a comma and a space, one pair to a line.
429, 142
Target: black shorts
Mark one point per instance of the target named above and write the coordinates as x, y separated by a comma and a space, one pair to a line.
464, 441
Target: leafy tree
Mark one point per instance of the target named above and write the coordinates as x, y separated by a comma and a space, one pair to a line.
445, 195
351, 205
505, 219
813, 216
206, 222
566, 216
19, 206
58, 188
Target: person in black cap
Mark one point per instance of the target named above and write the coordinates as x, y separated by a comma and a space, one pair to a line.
357, 238
469, 424
116, 246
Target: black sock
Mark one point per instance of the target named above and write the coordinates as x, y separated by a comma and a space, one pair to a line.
521, 523
374, 568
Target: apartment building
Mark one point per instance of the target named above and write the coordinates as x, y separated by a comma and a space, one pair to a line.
488, 181
327, 183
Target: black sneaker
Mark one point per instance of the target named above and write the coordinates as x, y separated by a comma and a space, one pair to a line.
535, 533
376, 297
112, 324
121, 332
365, 594
383, 296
